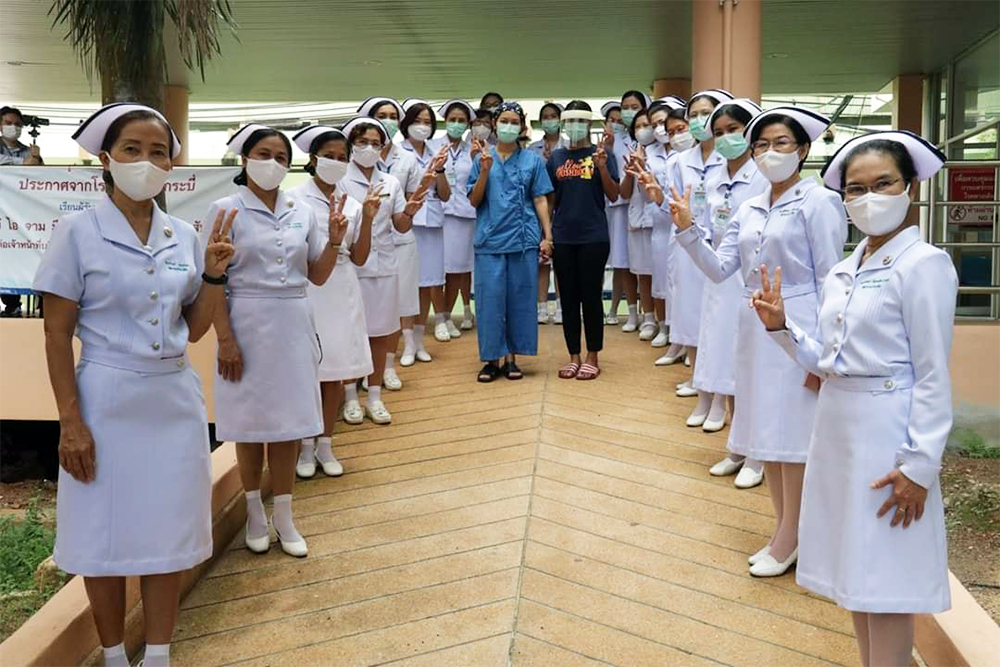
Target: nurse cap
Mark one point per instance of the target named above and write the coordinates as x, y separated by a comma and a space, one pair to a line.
235, 143
410, 101
369, 105
555, 105
723, 96
744, 103
91, 133
443, 109
364, 120
813, 123
672, 102
926, 158
608, 107
305, 137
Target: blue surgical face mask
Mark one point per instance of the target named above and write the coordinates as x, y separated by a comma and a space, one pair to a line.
391, 126
508, 132
699, 127
732, 145
628, 115
618, 128
576, 131
550, 125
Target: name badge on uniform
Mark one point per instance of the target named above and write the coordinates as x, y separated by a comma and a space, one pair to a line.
721, 220
450, 174
699, 201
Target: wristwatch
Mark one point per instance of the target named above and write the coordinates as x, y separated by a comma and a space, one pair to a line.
221, 280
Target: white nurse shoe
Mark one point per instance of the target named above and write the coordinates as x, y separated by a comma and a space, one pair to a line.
377, 413
332, 468
452, 329
557, 317
297, 548
630, 326
714, 425
647, 331
767, 566
441, 333
423, 355
685, 390
258, 545
725, 467
408, 358
673, 354
390, 380
306, 468
353, 414
468, 323
749, 478
752, 560
661, 340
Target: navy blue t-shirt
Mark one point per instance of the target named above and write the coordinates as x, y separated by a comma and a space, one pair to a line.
579, 195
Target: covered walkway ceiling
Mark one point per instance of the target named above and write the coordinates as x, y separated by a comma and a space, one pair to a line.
319, 50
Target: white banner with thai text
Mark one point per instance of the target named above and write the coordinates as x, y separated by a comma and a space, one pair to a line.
32, 199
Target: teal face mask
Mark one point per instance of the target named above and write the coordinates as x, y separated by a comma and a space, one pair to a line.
699, 127
391, 127
628, 115
576, 131
455, 129
508, 132
618, 128
732, 145
550, 125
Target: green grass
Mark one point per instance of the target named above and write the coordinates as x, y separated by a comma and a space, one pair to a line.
976, 507
971, 445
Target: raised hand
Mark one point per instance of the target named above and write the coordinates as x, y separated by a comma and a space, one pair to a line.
680, 207
485, 160
373, 201
608, 140
220, 250
337, 221
600, 158
441, 159
478, 146
414, 203
767, 301
647, 181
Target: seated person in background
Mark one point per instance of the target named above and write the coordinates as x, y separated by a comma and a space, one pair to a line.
13, 151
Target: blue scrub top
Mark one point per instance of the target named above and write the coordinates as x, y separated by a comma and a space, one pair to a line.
506, 220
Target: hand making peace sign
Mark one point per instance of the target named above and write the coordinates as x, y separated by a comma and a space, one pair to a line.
337, 221
220, 250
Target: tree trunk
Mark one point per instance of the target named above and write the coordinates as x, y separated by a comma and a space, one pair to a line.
145, 88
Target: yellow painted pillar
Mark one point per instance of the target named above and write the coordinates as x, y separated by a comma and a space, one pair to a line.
175, 108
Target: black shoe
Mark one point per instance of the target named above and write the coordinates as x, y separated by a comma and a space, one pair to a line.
489, 372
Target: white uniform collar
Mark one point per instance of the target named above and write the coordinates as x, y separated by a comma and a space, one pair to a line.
698, 163
282, 205
355, 174
115, 228
310, 189
793, 194
884, 257
744, 175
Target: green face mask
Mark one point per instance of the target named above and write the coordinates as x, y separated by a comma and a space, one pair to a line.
732, 145
455, 129
391, 127
508, 132
628, 115
550, 125
576, 131
618, 128
699, 127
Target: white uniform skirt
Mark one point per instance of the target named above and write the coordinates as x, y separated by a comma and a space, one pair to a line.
662, 244
685, 304
340, 323
845, 552
458, 236
149, 508
430, 255
278, 397
774, 408
381, 308
640, 251
718, 334
408, 284
618, 234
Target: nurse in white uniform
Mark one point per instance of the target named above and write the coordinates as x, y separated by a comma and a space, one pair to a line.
873, 535
266, 387
379, 275
550, 119
800, 226
394, 160
337, 306
418, 127
617, 213
640, 225
135, 475
691, 170
459, 215
632, 102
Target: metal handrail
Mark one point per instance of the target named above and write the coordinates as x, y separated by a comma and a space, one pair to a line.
979, 129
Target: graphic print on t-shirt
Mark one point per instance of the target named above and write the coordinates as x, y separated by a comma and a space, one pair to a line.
576, 169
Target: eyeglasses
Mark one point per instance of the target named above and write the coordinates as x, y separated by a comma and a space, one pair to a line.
781, 145
881, 187
361, 143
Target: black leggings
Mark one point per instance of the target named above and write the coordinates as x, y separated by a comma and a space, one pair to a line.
580, 272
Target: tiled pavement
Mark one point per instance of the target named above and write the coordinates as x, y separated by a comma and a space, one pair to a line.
544, 522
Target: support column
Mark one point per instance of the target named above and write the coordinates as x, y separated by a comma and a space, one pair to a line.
726, 46
679, 87
908, 102
175, 108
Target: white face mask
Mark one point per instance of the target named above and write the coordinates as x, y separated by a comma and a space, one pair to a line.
682, 141
139, 181
481, 132
330, 171
660, 132
420, 132
12, 132
778, 167
877, 214
365, 156
267, 174
645, 136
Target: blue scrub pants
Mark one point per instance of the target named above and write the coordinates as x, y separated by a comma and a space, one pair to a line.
506, 286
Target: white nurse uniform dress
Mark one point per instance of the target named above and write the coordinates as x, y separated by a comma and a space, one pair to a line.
428, 223
459, 214
403, 166
148, 508
278, 397
337, 305
881, 347
659, 162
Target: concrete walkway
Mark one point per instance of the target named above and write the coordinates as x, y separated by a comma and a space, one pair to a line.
543, 522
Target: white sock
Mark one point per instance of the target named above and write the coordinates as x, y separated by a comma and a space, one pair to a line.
157, 655
633, 312
663, 328
718, 410
390, 360
704, 403
543, 307
350, 391
324, 449
753, 464
467, 310
439, 318
114, 656
408, 346
558, 306
307, 449
374, 394
282, 518
418, 336
648, 318
256, 517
